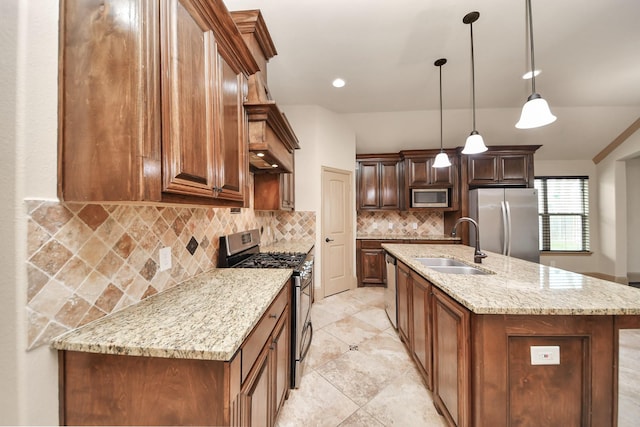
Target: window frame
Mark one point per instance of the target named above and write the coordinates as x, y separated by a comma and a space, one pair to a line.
545, 240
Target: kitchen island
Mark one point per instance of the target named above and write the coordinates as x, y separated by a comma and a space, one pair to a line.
523, 344
212, 351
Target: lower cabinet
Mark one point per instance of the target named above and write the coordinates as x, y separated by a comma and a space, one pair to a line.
266, 387
248, 390
414, 318
370, 263
421, 318
371, 267
451, 359
480, 369
403, 288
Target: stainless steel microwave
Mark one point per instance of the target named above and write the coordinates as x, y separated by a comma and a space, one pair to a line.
429, 198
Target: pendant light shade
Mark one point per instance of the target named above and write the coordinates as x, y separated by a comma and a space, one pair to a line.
442, 160
535, 112
475, 143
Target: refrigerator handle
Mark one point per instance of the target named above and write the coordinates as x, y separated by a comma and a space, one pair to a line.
505, 229
509, 227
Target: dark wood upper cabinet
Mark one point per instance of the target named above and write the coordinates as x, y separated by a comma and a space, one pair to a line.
420, 173
150, 102
502, 166
379, 182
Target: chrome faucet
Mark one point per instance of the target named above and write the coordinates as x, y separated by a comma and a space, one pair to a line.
478, 254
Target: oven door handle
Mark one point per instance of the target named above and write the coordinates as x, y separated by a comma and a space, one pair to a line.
306, 350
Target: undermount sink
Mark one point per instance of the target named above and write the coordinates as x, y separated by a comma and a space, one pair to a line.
449, 266
441, 262
455, 269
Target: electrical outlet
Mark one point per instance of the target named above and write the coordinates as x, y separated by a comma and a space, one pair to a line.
165, 258
545, 355
415, 225
390, 226
375, 225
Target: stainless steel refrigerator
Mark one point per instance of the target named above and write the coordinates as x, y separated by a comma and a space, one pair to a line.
508, 221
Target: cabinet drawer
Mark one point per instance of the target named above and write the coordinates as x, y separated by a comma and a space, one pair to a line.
376, 244
254, 344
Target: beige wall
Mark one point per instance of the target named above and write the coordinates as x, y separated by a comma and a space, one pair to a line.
9, 294
326, 140
612, 206
633, 217
29, 44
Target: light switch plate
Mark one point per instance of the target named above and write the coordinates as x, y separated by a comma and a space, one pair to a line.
375, 225
165, 258
390, 226
545, 355
415, 225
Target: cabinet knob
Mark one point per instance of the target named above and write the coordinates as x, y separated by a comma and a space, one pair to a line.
272, 316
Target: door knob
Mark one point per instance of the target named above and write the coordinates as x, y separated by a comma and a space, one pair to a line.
328, 240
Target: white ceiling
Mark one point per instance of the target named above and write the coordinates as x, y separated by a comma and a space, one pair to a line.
588, 50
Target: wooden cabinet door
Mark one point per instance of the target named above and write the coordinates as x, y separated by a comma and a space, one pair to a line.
389, 190
231, 146
287, 190
501, 169
451, 359
256, 393
187, 51
483, 170
513, 169
403, 286
372, 267
368, 185
281, 361
421, 173
378, 185
421, 337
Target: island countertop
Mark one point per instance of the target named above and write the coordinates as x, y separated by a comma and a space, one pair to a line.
207, 317
519, 287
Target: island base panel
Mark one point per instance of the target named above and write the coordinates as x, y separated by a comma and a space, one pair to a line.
509, 390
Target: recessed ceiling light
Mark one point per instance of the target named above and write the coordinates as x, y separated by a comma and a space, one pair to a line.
338, 83
260, 154
274, 165
527, 75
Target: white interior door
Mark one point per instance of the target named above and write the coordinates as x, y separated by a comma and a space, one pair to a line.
337, 231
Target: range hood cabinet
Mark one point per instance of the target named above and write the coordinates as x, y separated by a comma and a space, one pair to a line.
271, 139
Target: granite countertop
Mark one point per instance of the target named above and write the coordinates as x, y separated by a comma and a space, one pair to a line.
405, 236
520, 287
206, 317
300, 246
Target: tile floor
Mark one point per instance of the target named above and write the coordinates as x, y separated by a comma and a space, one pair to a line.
360, 374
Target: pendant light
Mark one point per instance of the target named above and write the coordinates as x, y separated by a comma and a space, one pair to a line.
475, 143
442, 160
535, 112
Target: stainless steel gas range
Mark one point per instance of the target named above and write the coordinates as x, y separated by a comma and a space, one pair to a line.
242, 250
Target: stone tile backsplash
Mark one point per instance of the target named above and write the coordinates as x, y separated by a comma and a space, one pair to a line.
377, 222
85, 261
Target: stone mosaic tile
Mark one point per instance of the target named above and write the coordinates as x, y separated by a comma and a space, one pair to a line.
88, 260
428, 223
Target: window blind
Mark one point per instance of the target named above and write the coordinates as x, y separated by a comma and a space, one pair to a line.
563, 213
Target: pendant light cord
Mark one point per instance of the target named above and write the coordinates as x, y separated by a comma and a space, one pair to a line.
441, 149
473, 80
533, 65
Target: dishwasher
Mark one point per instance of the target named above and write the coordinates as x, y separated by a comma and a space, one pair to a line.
390, 304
